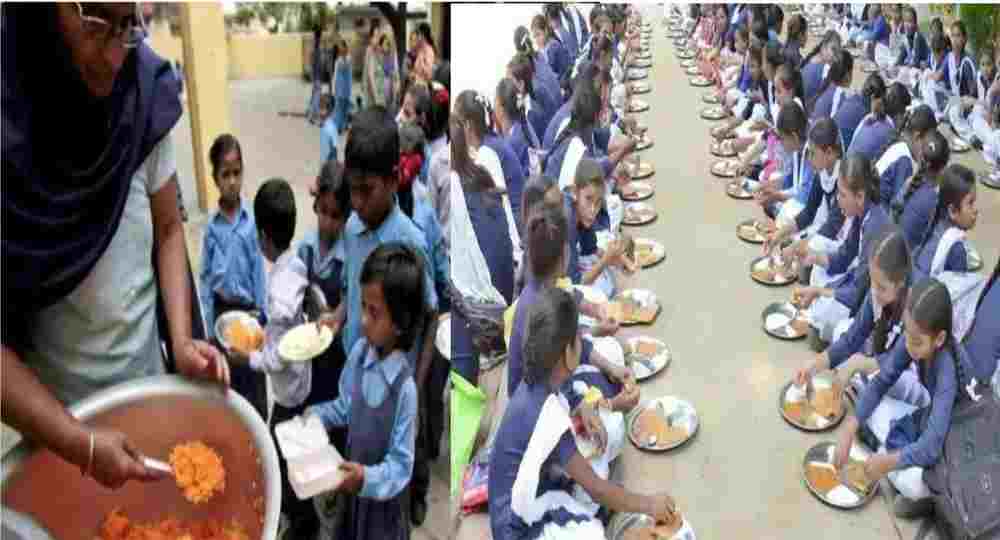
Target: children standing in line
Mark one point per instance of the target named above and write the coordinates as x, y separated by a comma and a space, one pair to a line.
535, 437
378, 396
911, 445
232, 271
291, 382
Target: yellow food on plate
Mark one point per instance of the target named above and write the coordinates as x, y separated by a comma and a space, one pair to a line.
198, 471
822, 477
244, 337
117, 526
650, 424
661, 531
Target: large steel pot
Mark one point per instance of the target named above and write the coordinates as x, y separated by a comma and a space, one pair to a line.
156, 413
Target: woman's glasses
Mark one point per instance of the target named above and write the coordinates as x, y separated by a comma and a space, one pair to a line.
130, 29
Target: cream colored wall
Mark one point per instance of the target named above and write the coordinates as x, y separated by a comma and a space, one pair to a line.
250, 56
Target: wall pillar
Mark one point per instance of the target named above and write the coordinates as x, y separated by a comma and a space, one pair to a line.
206, 65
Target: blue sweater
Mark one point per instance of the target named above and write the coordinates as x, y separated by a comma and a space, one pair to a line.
513, 174
857, 245
893, 178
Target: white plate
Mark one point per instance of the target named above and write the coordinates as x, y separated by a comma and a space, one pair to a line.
304, 343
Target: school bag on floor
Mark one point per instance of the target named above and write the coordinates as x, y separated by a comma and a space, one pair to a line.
966, 481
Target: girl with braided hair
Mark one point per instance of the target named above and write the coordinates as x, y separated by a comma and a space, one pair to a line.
549, 46
513, 126
912, 437
875, 129
942, 247
816, 65
913, 207
540, 103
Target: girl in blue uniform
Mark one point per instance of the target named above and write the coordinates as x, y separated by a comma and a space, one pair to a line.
968, 119
955, 76
798, 34
895, 162
482, 265
912, 438
540, 102
544, 79
872, 334
857, 192
816, 65
791, 127
378, 398
593, 268
834, 90
876, 128
534, 450
550, 46
916, 53
913, 208
821, 219
942, 249
561, 27
513, 126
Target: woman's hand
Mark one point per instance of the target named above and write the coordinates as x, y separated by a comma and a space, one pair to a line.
199, 360
844, 443
116, 461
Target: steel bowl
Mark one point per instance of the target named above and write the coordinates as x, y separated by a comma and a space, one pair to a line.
621, 523
786, 332
812, 423
699, 82
227, 318
784, 277
739, 190
156, 413
679, 411
823, 453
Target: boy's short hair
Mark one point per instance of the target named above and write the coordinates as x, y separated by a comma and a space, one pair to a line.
373, 147
331, 180
400, 270
274, 212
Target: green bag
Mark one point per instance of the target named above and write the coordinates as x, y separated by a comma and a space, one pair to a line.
467, 405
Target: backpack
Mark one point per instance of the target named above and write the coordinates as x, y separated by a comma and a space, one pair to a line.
966, 481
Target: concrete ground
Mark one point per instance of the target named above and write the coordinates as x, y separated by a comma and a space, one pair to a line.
741, 476
276, 146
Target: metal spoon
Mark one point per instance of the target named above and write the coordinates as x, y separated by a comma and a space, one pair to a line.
158, 466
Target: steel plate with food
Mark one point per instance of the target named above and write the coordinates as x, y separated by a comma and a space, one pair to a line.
644, 143
784, 321
688, 63
713, 112
638, 213
725, 168
304, 342
693, 70
990, 180
634, 306
723, 148
774, 270
722, 132
662, 424
816, 406
685, 55
636, 190
239, 331
700, 82
226, 485
753, 230
710, 98
636, 105
741, 188
638, 170
646, 356
647, 252
825, 482
637, 74
640, 88
629, 526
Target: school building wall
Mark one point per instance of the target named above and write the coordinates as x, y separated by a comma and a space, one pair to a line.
250, 56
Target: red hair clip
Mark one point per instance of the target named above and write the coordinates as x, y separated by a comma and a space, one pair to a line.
441, 96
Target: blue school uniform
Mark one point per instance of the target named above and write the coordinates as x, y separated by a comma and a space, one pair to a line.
558, 57
894, 176
818, 197
955, 261
378, 404
965, 78
858, 245
858, 334
917, 211
871, 137
848, 116
232, 267
793, 53
522, 138
359, 242
590, 377
520, 423
916, 53
342, 91
556, 156
515, 362
941, 382
328, 140
425, 218
800, 172
513, 174
877, 31
823, 106
568, 38
547, 81
551, 130
544, 104
983, 340
489, 223
812, 78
